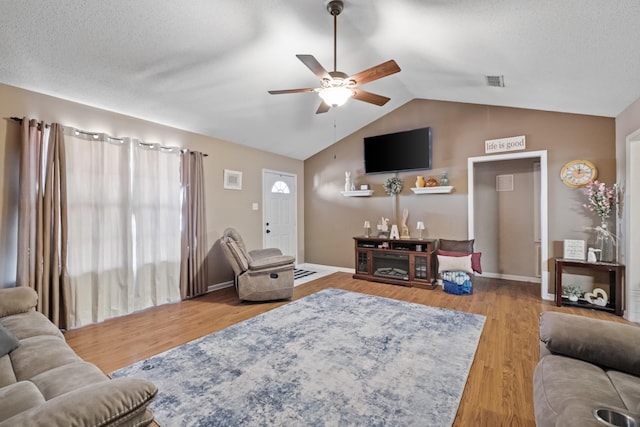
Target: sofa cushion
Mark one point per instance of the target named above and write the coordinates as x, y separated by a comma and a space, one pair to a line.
602, 342
30, 324
239, 255
17, 300
8, 341
561, 381
628, 387
66, 378
18, 397
6, 371
113, 402
39, 354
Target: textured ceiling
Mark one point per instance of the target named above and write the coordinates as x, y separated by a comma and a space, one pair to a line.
206, 65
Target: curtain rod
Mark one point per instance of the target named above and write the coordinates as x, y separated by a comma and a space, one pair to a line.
19, 120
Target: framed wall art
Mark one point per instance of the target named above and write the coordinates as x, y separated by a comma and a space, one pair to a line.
232, 179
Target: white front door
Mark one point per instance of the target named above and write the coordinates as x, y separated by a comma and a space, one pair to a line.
279, 211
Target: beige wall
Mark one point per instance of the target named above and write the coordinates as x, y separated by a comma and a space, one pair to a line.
459, 132
224, 207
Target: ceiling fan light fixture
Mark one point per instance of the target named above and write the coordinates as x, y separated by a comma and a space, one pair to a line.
335, 96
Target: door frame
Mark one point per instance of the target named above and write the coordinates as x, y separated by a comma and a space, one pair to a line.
544, 211
295, 208
631, 247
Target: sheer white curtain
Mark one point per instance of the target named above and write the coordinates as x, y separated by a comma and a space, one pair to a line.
124, 226
156, 206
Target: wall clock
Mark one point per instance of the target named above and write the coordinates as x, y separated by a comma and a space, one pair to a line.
578, 173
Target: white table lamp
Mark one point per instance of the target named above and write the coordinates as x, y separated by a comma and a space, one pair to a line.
420, 227
367, 228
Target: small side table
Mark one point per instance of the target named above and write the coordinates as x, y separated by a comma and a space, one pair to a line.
616, 273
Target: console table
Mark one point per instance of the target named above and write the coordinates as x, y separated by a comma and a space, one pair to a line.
407, 262
616, 273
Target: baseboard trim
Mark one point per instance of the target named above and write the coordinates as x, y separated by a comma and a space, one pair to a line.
219, 286
511, 277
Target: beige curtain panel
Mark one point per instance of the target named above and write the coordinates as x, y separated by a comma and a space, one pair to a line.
42, 218
194, 272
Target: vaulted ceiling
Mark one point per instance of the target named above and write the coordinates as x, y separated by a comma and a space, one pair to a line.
206, 65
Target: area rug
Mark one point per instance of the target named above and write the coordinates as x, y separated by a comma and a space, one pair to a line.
334, 358
299, 273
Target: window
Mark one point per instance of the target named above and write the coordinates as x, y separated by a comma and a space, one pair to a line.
280, 187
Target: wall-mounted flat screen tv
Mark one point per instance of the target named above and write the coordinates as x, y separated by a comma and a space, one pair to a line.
400, 151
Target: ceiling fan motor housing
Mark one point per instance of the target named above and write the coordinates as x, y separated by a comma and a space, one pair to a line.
335, 7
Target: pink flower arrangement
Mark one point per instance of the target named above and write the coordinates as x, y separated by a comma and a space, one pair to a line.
601, 199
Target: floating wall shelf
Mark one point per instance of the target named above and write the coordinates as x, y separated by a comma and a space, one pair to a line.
357, 193
433, 190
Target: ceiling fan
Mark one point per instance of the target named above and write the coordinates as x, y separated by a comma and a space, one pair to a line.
337, 87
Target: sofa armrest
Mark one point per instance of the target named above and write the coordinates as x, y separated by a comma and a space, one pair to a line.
271, 262
257, 254
113, 402
601, 342
17, 300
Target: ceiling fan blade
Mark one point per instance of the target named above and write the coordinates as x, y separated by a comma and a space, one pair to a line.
375, 73
323, 108
313, 64
280, 92
371, 98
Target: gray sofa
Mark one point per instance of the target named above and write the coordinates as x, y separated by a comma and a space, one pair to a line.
586, 364
44, 383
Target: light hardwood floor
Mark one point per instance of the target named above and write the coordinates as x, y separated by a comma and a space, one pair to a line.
499, 388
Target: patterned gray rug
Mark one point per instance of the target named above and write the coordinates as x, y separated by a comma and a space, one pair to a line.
334, 358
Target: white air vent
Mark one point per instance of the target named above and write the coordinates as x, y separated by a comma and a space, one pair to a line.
495, 81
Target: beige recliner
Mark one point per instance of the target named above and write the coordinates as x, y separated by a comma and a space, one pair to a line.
261, 274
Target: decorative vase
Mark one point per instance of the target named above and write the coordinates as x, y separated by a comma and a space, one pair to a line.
444, 179
420, 182
432, 182
605, 243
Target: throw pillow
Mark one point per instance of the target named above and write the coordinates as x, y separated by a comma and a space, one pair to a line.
456, 245
8, 341
475, 258
454, 263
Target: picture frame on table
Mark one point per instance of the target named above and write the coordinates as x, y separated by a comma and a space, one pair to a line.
574, 249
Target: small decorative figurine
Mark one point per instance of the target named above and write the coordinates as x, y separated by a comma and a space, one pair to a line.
432, 182
420, 182
347, 181
404, 228
394, 232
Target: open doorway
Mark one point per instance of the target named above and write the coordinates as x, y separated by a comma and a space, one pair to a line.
539, 222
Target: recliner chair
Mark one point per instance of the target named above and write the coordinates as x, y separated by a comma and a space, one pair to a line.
260, 274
